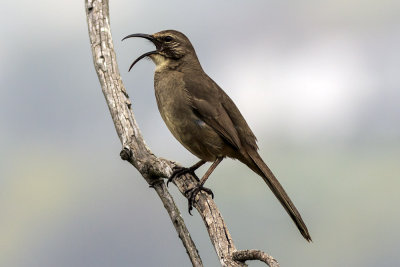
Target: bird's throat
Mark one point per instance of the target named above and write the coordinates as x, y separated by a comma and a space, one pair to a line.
164, 63
160, 61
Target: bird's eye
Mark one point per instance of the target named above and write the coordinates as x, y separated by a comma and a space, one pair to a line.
168, 39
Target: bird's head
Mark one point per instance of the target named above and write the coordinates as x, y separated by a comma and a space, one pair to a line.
170, 45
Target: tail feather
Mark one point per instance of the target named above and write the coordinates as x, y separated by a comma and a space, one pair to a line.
257, 165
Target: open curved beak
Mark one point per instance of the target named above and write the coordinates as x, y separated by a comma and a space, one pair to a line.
148, 37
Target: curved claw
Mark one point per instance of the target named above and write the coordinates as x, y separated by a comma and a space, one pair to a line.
192, 195
178, 171
153, 183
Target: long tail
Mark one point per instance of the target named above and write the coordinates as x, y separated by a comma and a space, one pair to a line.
257, 165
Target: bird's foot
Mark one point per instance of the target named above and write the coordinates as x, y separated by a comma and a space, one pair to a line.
191, 195
178, 171
154, 182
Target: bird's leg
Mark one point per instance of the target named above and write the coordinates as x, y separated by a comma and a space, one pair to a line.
195, 190
178, 171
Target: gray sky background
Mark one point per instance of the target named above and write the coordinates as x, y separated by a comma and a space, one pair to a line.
318, 82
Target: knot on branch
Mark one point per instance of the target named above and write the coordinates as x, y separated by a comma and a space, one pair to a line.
126, 153
253, 254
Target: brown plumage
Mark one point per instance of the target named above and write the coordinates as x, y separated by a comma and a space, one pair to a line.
202, 117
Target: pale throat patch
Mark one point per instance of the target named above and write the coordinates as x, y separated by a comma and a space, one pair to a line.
160, 61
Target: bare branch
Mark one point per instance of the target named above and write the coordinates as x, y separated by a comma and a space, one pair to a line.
253, 254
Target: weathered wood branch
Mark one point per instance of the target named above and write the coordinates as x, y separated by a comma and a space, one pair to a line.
253, 254
135, 150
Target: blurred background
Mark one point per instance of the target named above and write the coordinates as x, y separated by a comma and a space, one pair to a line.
318, 82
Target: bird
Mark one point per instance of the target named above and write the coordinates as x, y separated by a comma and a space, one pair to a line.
203, 118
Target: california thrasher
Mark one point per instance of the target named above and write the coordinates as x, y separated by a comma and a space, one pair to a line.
202, 117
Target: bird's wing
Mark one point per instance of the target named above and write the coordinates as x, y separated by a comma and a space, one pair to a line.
217, 110
246, 135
